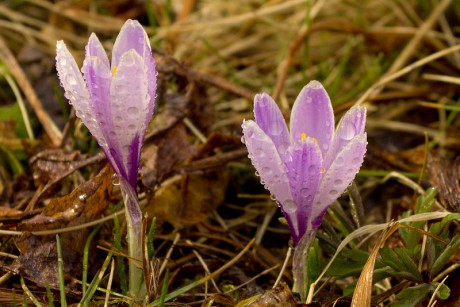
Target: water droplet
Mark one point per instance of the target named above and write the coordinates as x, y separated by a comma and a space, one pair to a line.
283, 147
259, 152
132, 127
115, 180
70, 79
339, 160
249, 134
314, 84
333, 192
133, 111
82, 197
62, 61
355, 161
128, 59
257, 173
112, 134
272, 197
304, 192
308, 99
267, 170
289, 206
311, 168
347, 131
338, 182
276, 128
242, 140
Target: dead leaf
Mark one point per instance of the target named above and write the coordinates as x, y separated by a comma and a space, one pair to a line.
188, 201
444, 175
161, 157
52, 163
86, 203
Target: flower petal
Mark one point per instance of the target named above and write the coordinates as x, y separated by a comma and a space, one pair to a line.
338, 177
270, 119
129, 102
312, 114
133, 36
303, 164
76, 91
94, 49
351, 125
266, 160
98, 79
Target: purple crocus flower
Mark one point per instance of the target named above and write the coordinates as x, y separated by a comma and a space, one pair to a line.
114, 101
308, 168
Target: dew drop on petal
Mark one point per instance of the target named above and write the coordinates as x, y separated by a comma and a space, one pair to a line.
133, 111
347, 132
289, 206
276, 128
308, 99
257, 173
333, 192
115, 180
132, 127
339, 161
70, 79
272, 197
82, 197
62, 60
128, 59
338, 182
242, 140
355, 161
304, 192
267, 170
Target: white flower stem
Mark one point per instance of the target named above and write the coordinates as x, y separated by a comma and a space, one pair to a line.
134, 226
299, 265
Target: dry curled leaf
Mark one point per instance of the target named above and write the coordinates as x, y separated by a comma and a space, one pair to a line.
86, 203
188, 201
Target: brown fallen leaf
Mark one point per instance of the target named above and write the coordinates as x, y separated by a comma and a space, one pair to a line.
86, 203
161, 157
50, 164
187, 201
444, 175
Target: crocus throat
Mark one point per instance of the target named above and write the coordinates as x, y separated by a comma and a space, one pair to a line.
114, 72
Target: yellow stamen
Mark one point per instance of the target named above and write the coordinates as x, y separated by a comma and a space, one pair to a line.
114, 72
303, 136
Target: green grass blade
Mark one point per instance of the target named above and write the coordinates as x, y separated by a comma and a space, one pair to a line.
61, 272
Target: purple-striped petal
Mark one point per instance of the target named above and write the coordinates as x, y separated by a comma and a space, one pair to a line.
351, 125
265, 158
338, 177
94, 49
129, 100
132, 36
75, 90
270, 119
312, 114
303, 164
